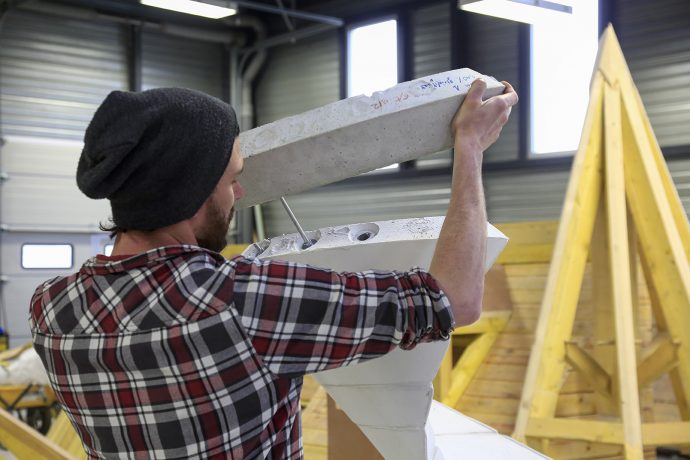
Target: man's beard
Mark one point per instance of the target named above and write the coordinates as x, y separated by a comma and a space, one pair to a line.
214, 234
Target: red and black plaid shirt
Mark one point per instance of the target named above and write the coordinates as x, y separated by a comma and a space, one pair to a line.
179, 353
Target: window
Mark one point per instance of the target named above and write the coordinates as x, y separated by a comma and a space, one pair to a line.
108, 249
562, 59
47, 256
372, 59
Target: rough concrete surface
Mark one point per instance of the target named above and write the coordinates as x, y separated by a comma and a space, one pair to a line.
354, 135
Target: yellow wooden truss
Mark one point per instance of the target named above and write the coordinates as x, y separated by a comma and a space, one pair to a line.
620, 204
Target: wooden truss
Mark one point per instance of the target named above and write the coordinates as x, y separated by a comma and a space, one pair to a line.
620, 204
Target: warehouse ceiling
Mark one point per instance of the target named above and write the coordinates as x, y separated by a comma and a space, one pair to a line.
267, 11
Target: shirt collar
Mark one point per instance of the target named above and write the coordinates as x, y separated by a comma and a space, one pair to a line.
102, 265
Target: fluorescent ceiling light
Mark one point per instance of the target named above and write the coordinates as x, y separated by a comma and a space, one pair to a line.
193, 7
528, 11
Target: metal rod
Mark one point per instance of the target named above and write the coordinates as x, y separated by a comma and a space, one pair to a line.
307, 241
286, 18
289, 37
289, 12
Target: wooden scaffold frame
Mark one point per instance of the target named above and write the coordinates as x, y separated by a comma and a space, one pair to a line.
620, 205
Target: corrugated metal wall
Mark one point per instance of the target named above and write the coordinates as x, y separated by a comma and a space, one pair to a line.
658, 54
493, 50
299, 77
431, 40
55, 71
295, 84
655, 37
182, 62
431, 48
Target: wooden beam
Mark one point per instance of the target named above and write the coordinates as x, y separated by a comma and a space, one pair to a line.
576, 429
489, 321
668, 433
657, 360
604, 332
619, 262
232, 250
589, 368
25, 442
661, 242
654, 434
525, 254
547, 360
466, 367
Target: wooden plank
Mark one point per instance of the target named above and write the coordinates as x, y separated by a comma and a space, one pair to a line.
493, 389
576, 429
527, 253
232, 250
661, 245
540, 393
658, 359
467, 367
619, 263
518, 270
530, 233
569, 450
589, 368
489, 321
566, 406
659, 434
604, 332
312, 452
27, 443
471, 404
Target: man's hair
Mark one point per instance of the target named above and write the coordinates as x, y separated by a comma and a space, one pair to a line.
111, 227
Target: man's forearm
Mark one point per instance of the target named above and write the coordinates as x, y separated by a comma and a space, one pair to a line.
458, 262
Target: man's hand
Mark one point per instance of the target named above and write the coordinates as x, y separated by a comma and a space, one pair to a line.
458, 262
478, 123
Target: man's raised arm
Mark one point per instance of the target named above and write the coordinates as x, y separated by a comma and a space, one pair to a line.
458, 262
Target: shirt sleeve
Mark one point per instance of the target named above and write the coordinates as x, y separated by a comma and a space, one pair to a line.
302, 319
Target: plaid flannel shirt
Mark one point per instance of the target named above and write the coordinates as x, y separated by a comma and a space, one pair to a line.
180, 353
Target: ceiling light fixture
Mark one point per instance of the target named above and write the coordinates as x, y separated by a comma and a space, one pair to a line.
207, 10
528, 11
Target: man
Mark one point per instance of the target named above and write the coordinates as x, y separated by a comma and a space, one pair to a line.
167, 350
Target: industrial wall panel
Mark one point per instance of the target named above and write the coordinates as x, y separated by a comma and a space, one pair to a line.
49, 203
680, 171
181, 62
39, 156
493, 50
298, 78
431, 40
513, 196
40, 191
55, 71
655, 37
19, 283
351, 202
430, 55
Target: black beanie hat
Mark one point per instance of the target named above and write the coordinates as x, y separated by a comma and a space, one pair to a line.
156, 155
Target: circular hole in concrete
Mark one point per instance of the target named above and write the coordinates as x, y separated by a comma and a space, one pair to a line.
364, 236
363, 232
